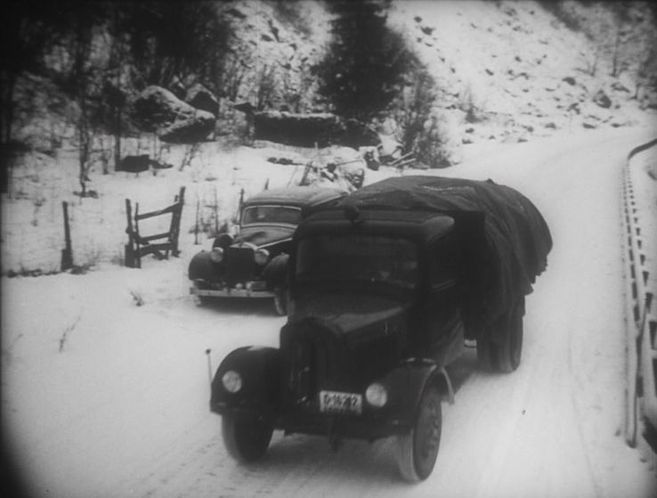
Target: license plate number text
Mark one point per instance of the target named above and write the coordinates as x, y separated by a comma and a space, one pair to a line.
339, 402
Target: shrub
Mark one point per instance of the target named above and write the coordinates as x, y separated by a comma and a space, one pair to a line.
437, 144
415, 108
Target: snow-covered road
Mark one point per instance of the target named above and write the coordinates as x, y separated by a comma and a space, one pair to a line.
102, 398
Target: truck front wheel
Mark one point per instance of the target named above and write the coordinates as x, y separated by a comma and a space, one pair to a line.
246, 437
417, 450
500, 348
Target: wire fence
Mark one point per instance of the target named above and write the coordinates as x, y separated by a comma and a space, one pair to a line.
33, 236
33, 239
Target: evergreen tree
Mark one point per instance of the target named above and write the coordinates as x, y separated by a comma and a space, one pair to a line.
170, 41
366, 62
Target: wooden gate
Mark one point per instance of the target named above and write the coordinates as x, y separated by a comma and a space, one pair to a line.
160, 244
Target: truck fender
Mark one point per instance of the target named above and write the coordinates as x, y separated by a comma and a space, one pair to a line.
260, 370
410, 380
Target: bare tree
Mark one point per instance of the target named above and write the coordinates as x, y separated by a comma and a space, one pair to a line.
81, 79
116, 98
265, 87
415, 109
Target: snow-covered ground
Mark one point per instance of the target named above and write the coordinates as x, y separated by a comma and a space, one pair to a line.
104, 398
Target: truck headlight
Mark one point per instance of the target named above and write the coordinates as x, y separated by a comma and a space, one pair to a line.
376, 395
261, 256
232, 381
217, 254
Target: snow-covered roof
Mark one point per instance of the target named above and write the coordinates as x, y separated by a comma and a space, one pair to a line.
302, 196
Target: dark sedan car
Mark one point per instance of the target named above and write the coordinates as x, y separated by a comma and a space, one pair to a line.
252, 264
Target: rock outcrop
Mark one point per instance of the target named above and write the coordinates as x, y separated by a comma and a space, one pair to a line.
201, 98
158, 110
309, 130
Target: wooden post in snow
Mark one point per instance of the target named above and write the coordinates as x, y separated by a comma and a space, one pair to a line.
198, 208
67, 252
130, 249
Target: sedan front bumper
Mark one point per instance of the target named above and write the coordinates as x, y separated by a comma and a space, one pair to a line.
246, 291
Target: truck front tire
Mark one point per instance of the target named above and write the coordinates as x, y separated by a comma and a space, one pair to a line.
246, 437
417, 450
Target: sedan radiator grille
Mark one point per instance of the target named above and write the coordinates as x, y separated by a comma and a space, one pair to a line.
240, 265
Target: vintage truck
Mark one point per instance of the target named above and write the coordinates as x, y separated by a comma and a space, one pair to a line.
252, 264
385, 286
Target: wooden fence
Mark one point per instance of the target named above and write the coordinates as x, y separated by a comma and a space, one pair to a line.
159, 244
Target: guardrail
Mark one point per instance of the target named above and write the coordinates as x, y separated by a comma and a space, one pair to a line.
641, 314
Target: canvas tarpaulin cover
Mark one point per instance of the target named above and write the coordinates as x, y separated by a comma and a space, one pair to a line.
516, 238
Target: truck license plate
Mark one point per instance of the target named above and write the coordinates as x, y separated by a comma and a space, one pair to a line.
338, 402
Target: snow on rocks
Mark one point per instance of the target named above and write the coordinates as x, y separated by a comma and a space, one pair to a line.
159, 110
483, 59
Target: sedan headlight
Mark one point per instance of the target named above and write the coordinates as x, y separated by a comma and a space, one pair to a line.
376, 395
217, 254
232, 381
261, 257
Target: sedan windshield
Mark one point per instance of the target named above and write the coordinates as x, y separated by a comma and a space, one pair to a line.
357, 258
271, 214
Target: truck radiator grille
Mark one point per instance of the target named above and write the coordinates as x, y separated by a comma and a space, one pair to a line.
312, 361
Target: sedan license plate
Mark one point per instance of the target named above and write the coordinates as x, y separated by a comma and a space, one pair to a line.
339, 402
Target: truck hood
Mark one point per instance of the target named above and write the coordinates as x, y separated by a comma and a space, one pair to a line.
262, 235
347, 312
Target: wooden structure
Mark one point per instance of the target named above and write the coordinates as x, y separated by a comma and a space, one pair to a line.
67, 252
160, 244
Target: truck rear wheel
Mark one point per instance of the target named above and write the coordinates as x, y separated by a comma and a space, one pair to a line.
246, 437
280, 301
500, 349
417, 450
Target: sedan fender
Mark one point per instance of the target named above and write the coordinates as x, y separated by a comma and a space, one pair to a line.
248, 378
201, 267
275, 273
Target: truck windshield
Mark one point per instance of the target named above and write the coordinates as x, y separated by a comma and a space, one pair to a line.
271, 214
357, 258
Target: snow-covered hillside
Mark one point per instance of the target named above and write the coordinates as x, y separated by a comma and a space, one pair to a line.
505, 72
102, 397
105, 372
523, 71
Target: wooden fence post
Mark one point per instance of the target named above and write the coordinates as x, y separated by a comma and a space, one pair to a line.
130, 246
216, 211
67, 252
175, 222
198, 208
137, 238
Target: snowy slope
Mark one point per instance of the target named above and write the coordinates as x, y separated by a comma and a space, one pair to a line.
101, 397
104, 398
